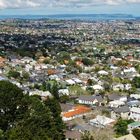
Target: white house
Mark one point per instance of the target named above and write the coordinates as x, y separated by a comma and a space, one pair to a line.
136, 96
43, 94
116, 103
90, 100
122, 112
102, 72
63, 92
101, 121
97, 87
77, 80
117, 87
135, 113
70, 82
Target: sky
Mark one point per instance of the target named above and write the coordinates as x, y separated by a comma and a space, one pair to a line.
48, 7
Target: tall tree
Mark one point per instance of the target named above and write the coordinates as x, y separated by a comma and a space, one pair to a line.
24, 117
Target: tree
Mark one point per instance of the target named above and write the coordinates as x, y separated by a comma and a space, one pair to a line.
54, 90
13, 74
87, 136
1, 135
137, 68
11, 104
25, 75
136, 133
43, 86
64, 99
24, 117
87, 61
63, 55
90, 82
55, 108
121, 127
136, 82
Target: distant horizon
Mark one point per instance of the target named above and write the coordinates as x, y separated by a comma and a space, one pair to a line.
55, 7
72, 16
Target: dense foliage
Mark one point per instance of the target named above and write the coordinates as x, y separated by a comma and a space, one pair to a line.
24, 117
121, 127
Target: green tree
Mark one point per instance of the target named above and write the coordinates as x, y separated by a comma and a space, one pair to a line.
136, 82
64, 99
54, 90
14, 74
43, 86
63, 55
25, 117
121, 127
11, 104
87, 61
55, 108
25, 75
38, 124
136, 133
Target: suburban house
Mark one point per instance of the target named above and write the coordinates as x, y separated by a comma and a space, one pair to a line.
70, 82
62, 92
102, 72
117, 87
122, 112
97, 87
116, 103
135, 96
75, 112
42, 94
133, 103
83, 127
113, 97
135, 113
101, 121
90, 100
134, 125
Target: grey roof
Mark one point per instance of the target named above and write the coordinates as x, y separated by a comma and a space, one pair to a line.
112, 97
91, 98
122, 109
66, 107
73, 135
83, 128
134, 103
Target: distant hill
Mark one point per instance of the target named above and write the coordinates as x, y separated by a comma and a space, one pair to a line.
73, 16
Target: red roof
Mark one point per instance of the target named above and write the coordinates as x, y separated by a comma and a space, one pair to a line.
77, 111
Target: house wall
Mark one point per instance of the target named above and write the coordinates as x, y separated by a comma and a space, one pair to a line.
122, 115
87, 102
135, 116
125, 115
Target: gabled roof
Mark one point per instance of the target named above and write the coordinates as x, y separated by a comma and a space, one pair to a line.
134, 103
134, 124
91, 98
78, 110
122, 109
112, 97
135, 109
66, 107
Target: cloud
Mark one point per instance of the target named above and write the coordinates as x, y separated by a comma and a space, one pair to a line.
61, 3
